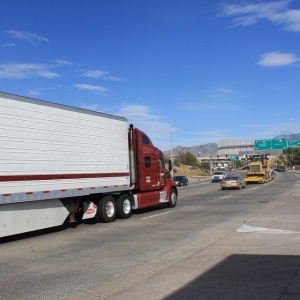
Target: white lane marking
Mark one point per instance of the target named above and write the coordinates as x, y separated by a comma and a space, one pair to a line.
248, 228
254, 188
158, 215
226, 197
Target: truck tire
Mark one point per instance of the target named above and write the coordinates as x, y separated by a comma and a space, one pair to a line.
106, 209
124, 207
173, 198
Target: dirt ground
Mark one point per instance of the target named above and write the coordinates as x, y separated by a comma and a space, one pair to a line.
188, 172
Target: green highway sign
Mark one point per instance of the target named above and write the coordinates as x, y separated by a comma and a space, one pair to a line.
234, 158
263, 144
294, 143
274, 144
279, 144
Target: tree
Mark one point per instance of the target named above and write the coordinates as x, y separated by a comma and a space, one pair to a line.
205, 165
292, 156
187, 158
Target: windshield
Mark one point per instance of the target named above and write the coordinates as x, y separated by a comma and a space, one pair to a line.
231, 178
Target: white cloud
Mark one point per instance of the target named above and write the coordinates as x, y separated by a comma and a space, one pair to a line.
247, 14
34, 92
142, 117
220, 93
7, 45
26, 36
277, 59
137, 112
17, 71
225, 91
63, 62
100, 75
93, 88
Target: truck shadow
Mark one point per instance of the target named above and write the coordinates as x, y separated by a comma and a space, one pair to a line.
68, 225
150, 209
33, 234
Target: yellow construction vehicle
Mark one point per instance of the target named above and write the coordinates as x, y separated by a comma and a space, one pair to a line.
259, 169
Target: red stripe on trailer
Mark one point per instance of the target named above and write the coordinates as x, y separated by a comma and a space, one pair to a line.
59, 176
6, 195
29, 193
46, 192
63, 190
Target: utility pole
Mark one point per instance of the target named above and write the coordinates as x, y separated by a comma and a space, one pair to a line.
171, 146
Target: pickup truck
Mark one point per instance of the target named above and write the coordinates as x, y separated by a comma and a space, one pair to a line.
218, 176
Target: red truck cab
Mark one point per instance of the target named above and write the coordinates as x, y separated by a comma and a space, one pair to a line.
149, 175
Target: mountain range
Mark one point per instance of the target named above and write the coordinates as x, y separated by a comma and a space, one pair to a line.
208, 148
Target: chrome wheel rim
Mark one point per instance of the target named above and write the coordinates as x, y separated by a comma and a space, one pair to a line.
110, 209
126, 206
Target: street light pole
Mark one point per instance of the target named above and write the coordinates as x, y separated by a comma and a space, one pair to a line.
171, 146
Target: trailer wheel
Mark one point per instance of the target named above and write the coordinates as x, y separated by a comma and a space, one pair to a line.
124, 207
173, 198
106, 209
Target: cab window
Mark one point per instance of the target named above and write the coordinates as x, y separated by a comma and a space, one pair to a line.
147, 161
145, 140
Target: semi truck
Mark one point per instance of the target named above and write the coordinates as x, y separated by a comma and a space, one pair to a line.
259, 169
64, 164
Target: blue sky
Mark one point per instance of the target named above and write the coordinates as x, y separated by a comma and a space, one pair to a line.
221, 69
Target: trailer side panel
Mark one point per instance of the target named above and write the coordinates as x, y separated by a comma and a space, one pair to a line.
47, 147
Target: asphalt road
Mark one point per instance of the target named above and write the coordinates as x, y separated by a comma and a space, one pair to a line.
215, 244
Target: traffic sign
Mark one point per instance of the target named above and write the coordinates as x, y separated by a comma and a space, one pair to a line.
234, 158
295, 143
279, 144
263, 144
274, 144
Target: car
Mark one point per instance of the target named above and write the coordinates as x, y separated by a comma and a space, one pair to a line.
233, 182
181, 180
281, 169
221, 169
218, 176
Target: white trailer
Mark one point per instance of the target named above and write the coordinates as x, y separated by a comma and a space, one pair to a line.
50, 151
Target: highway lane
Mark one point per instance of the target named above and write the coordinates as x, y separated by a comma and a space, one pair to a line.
105, 260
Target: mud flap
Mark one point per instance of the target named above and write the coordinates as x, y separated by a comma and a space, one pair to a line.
89, 210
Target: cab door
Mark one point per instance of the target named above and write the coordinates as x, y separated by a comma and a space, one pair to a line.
149, 165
